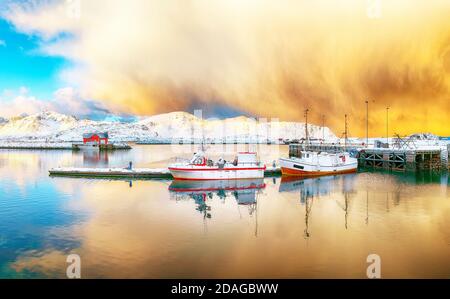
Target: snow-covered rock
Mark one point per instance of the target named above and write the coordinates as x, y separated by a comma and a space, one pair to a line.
175, 126
424, 136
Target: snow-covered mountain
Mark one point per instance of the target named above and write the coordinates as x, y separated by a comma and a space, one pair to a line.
168, 127
42, 124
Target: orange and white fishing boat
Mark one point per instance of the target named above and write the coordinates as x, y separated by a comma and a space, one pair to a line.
244, 166
310, 163
316, 163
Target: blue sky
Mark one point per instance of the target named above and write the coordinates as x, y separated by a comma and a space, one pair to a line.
21, 64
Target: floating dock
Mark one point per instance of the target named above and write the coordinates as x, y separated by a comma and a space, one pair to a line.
143, 173
125, 173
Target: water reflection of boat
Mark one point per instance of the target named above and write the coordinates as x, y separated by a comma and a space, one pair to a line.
317, 185
182, 186
244, 191
311, 188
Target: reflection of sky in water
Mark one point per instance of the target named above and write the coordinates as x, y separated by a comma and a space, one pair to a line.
31, 218
276, 227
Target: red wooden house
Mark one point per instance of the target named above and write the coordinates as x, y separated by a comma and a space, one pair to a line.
99, 138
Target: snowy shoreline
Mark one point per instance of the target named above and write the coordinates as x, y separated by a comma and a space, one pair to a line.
53, 145
51, 130
68, 145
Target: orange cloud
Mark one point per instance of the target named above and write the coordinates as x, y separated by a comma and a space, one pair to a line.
268, 58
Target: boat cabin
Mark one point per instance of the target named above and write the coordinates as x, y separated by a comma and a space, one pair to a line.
322, 158
246, 158
243, 158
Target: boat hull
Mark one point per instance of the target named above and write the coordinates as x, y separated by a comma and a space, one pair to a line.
291, 167
212, 173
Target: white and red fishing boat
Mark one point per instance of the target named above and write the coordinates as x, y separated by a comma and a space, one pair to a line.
310, 163
244, 166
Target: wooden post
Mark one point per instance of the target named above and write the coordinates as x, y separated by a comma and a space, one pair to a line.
410, 161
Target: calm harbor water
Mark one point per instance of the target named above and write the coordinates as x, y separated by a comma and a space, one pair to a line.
271, 228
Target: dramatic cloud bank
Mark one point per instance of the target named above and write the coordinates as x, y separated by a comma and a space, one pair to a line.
267, 58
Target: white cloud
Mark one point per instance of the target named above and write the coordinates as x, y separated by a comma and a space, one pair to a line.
21, 104
65, 100
2, 43
23, 90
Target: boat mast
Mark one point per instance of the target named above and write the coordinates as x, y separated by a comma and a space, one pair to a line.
323, 128
387, 126
346, 209
256, 216
367, 123
308, 205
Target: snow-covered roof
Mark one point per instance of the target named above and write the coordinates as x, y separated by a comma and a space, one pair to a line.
101, 135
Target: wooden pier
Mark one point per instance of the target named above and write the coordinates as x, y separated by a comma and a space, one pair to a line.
404, 159
295, 149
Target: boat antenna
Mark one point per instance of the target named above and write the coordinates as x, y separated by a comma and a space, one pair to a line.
203, 137
345, 133
306, 126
